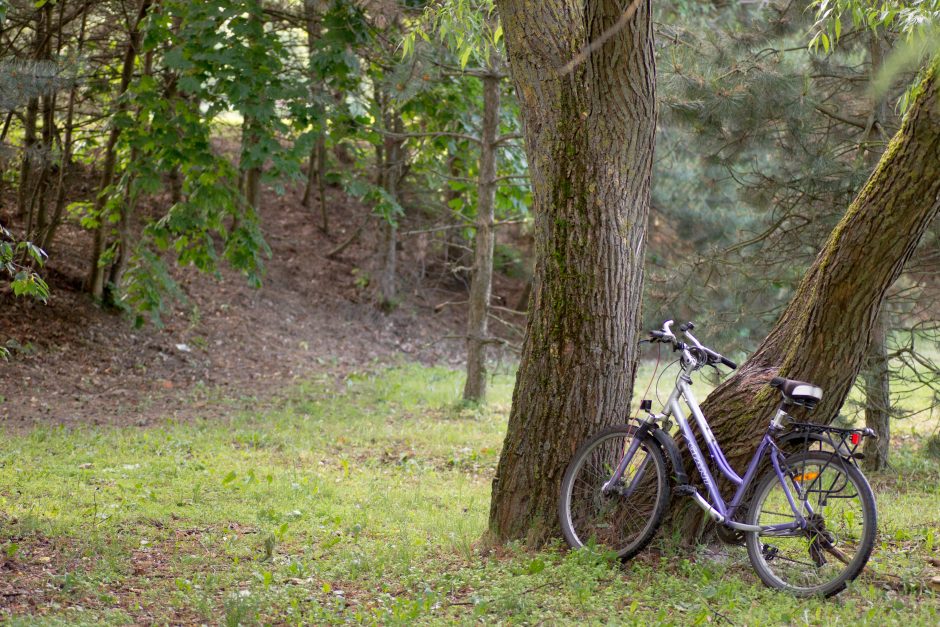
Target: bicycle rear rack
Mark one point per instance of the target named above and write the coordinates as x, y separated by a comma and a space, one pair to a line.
845, 442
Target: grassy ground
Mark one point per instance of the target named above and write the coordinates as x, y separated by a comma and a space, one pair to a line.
365, 504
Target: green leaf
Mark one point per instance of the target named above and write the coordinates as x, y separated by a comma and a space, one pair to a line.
465, 57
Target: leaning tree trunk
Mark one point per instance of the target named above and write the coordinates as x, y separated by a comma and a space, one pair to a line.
481, 285
589, 131
823, 334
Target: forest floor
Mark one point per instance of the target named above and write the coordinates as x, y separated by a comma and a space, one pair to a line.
366, 504
74, 363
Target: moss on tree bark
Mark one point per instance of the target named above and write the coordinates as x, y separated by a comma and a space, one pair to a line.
589, 138
824, 332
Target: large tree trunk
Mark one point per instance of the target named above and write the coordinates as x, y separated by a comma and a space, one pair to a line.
589, 138
481, 284
823, 334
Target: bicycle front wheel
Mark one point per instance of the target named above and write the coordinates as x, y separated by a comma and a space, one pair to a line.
625, 518
835, 499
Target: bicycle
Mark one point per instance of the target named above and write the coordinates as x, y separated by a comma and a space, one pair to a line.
809, 524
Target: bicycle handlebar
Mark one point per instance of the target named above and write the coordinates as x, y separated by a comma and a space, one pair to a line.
711, 357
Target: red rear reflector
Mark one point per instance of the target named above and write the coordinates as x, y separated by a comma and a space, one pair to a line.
856, 438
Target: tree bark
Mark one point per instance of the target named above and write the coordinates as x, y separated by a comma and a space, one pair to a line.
878, 397
877, 376
589, 136
96, 274
48, 125
60, 194
24, 196
390, 174
823, 334
481, 284
316, 169
124, 231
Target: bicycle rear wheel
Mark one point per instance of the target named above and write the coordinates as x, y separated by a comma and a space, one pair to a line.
626, 518
837, 502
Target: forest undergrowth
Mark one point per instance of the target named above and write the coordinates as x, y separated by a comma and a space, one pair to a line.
363, 500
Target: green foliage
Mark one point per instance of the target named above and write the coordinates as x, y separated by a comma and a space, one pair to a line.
383, 204
17, 262
917, 23
470, 29
22, 79
221, 59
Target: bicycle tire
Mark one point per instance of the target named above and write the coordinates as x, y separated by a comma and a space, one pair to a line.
823, 558
624, 524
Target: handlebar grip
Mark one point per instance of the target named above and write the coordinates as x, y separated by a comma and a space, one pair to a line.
729, 363
687, 326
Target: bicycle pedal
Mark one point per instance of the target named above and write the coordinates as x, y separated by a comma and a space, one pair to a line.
684, 490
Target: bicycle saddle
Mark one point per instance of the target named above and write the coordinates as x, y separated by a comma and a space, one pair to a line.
798, 392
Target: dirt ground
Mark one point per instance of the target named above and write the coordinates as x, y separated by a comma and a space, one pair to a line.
76, 363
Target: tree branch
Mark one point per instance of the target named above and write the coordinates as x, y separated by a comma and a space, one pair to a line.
587, 50
841, 118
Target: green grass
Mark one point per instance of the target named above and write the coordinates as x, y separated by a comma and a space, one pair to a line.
364, 502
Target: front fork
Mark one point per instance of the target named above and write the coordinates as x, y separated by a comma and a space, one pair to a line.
638, 436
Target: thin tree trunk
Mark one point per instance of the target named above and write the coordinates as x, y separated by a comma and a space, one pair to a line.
24, 194
388, 293
66, 164
589, 139
482, 282
122, 253
250, 174
48, 134
321, 182
392, 168
96, 273
253, 187
877, 377
824, 333
26, 165
316, 170
878, 397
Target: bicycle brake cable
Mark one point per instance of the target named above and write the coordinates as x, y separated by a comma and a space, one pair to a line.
659, 353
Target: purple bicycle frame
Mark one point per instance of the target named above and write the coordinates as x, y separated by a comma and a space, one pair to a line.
719, 510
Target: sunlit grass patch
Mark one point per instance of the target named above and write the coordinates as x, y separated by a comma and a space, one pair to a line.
364, 500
